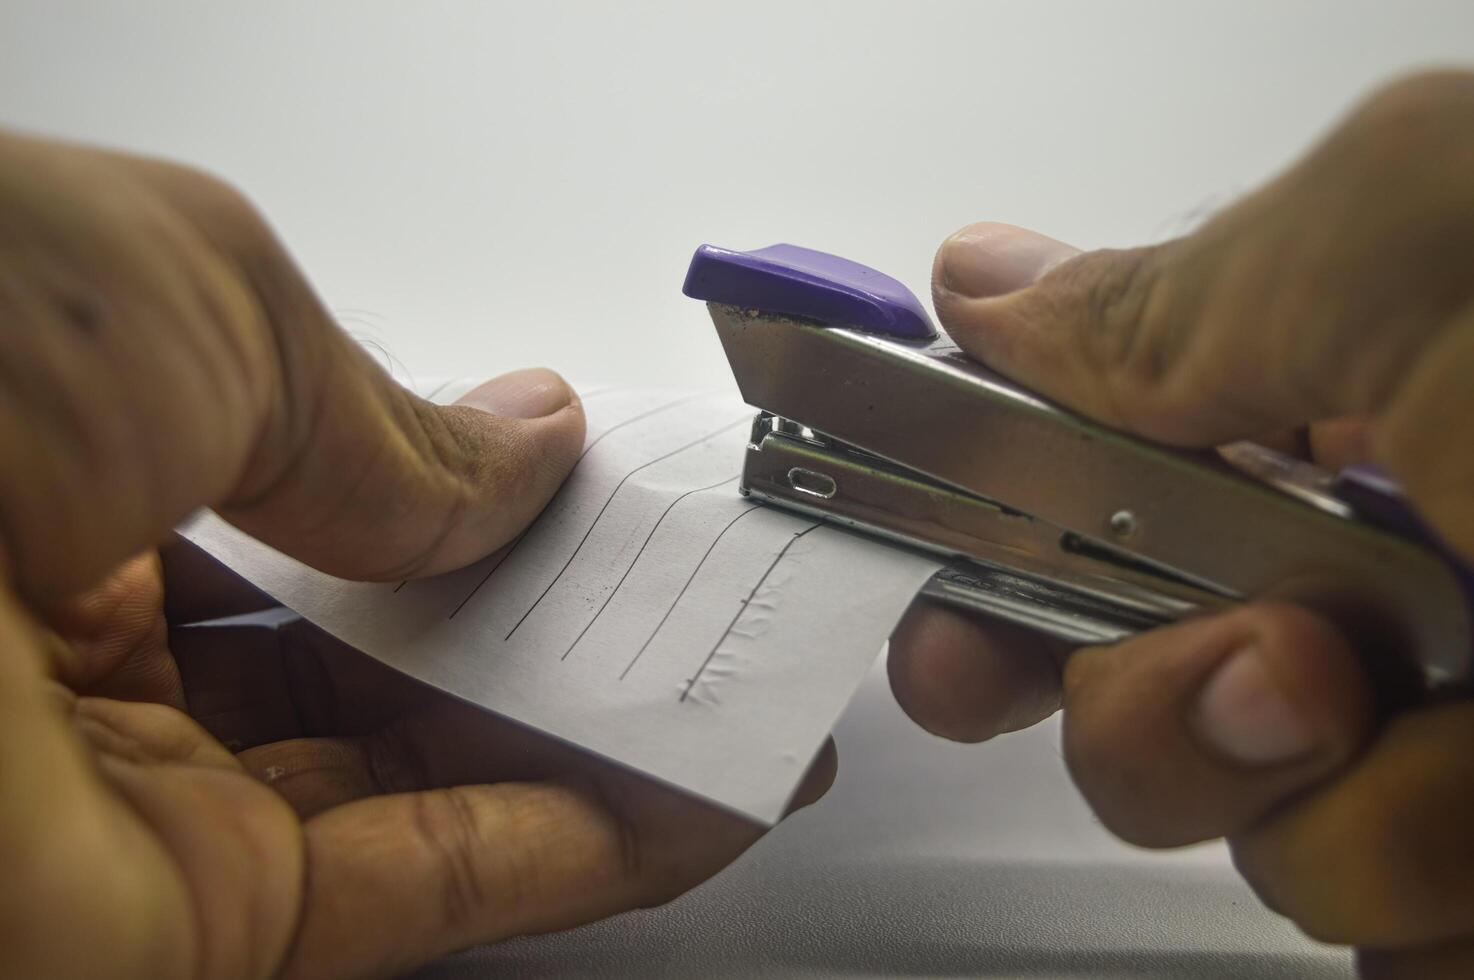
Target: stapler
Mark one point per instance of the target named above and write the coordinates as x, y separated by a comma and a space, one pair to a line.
871, 418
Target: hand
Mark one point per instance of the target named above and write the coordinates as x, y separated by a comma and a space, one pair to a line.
159, 352
1332, 311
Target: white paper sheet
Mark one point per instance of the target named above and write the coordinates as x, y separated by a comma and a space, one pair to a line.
651, 614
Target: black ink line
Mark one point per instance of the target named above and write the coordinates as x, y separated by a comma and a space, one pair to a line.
630, 421
587, 449
610, 597
581, 541
401, 585
606, 390
682, 594
742, 609
490, 572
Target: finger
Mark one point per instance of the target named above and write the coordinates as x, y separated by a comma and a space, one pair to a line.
58, 820
969, 679
1338, 443
399, 879
1271, 314
236, 850
398, 487
1198, 730
1321, 295
1381, 856
1435, 411
115, 640
1332, 444
1292, 441
817, 781
317, 774
989, 259
1446, 961
176, 350
147, 733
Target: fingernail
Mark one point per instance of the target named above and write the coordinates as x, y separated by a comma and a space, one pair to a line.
527, 394
991, 259
1243, 714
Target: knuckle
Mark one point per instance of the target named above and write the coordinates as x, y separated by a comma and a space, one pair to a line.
619, 855
1123, 334
1285, 629
1118, 287
501, 856
1120, 772
1443, 961
1380, 858
630, 859
1138, 794
453, 475
1125, 803
449, 829
1341, 893
393, 765
1283, 624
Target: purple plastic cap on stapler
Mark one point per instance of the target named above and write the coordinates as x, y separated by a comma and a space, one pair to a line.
813, 285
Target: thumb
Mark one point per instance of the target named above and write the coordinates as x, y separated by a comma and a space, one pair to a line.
174, 357
395, 487
1339, 289
1197, 730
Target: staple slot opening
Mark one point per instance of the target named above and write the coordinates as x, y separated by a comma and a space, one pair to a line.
811, 482
1074, 544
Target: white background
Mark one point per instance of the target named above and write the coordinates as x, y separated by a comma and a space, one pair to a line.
487, 186
506, 184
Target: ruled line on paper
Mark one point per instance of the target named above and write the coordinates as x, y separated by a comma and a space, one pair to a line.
742, 609
623, 480
706, 560
587, 449
489, 573
636, 560
681, 594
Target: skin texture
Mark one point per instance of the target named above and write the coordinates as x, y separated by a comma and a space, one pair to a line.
209, 801
1329, 313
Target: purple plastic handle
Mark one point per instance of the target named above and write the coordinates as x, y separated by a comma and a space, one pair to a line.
1374, 495
804, 283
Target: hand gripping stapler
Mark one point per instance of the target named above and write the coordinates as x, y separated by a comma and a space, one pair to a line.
870, 418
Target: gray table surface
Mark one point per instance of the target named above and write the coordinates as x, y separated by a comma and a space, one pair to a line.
929, 859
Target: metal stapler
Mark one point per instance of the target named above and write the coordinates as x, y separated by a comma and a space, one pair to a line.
871, 418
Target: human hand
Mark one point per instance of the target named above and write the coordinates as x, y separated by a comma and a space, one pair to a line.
319, 815
1331, 312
